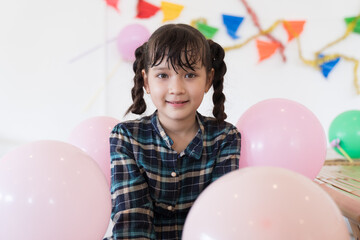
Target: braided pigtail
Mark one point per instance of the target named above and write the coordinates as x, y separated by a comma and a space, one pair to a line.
137, 92
217, 57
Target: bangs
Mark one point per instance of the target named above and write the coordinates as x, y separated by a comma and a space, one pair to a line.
179, 48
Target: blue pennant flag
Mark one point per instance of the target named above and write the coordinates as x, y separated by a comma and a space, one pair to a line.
326, 67
232, 24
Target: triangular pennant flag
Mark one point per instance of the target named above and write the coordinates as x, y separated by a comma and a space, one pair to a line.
293, 28
232, 24
266, 49
206, 30
171, 10
146, 10
326, 67
357, 24
113, 3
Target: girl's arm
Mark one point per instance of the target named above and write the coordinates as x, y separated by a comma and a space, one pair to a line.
132, 208
229, 154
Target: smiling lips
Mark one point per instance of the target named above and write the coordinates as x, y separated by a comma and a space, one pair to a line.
177, 103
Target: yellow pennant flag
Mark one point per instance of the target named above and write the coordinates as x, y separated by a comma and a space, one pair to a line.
171, 10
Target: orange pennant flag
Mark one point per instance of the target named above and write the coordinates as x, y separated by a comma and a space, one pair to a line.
293, 28
266, 49
171, 10
146, 10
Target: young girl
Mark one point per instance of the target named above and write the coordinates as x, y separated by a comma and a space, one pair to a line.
161, 163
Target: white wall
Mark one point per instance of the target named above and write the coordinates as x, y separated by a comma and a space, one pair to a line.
56, 55
42, 94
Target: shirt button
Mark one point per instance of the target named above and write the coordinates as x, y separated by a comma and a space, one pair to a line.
173, 174
170, 208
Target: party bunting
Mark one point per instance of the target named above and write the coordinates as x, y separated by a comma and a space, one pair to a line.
293, 28
232, 24
113, 3
206, 30
146, 10
357, 24
327, 66
266, 49
261, 31
171, 10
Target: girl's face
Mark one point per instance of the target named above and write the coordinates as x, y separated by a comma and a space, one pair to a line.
177, 94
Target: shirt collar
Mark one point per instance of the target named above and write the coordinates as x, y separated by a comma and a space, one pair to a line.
160, 130
194, 149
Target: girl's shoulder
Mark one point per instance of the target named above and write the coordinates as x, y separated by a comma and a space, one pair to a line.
131, 127
213, 127
215, 133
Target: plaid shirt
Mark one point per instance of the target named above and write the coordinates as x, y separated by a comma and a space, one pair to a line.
153, 186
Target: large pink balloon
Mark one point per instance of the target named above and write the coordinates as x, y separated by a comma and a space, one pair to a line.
92, 136
131, 37
282, 133
52, 190
264, 203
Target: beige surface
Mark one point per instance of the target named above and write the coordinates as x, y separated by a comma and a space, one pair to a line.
341, 180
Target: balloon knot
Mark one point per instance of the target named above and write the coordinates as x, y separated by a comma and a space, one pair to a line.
335, 143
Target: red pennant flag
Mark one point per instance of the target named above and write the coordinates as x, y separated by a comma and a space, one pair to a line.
113, 3
266, 49
293, 28
146, 10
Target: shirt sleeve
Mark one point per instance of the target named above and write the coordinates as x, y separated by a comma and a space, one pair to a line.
229, 154
132, 207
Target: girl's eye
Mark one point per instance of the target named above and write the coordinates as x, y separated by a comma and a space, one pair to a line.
162, 75
190, 75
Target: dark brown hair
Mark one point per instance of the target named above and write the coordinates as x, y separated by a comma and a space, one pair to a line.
183, 46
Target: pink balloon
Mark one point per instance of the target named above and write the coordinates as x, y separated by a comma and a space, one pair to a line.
92, 136
52, 190
131, 37
264, 203
282, 133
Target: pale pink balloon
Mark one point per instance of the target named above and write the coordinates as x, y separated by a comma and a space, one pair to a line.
92, 136
130, 38
282, 133
264, 203
52, 190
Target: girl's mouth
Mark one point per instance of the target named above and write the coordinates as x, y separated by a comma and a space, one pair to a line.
177, 103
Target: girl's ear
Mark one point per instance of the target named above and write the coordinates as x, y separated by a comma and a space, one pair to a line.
146, 81
209, 80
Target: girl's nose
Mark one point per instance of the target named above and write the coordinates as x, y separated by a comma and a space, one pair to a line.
176, 86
